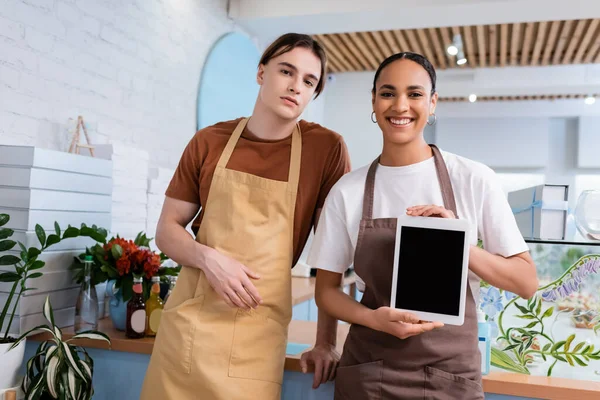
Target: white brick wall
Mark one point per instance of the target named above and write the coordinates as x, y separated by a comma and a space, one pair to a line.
131, 68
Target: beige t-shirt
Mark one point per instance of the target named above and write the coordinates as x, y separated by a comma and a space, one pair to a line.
324, 160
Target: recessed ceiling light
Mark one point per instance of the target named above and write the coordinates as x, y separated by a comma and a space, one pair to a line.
461, 61
452, 50
590, 100
473, 98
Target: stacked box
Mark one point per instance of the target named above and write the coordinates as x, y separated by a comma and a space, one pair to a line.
40, 186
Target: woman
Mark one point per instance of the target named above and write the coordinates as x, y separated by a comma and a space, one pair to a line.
260, 183
391, 354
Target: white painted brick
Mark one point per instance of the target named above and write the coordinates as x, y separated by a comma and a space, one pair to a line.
125, 78
11, 29
118, 38
39, 41
47, 5
16, 140
44, 20
80, 39
18, 125
96, 9
9, 77
25, 105
18, 57
74, 16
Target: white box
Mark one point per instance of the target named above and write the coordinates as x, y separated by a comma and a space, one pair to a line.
541, 211
41, 199
38, 178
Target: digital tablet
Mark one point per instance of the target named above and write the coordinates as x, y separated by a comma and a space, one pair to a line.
431, 266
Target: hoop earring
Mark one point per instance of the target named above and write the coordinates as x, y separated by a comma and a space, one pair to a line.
373, 119
434, 120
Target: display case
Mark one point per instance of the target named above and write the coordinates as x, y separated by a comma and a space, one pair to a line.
556, 332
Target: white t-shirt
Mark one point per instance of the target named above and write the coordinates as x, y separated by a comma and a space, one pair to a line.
479, 199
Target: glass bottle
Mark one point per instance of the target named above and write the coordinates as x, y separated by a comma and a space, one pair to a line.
86, 308
136, 312
172, 282
154, 307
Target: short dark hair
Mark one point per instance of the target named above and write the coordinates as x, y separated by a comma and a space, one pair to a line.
290, 41
418, 58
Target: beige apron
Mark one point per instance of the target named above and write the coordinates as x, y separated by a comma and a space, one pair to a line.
204, 349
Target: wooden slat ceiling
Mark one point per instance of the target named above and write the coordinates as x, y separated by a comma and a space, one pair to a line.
522, 98
517, 44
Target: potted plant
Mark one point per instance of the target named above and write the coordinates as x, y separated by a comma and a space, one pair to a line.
59, 369
25, 268
117, 261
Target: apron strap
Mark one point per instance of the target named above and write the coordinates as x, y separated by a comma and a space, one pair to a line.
443, 177
295, 160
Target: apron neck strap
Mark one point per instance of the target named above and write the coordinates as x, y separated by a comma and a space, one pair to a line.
443, 177
294, 173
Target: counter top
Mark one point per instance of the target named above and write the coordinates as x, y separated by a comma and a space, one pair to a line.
303, 289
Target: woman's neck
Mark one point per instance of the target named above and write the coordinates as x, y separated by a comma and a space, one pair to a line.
265, 124
399, 155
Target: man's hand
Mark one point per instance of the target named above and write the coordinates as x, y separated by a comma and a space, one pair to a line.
325, 358
231, 280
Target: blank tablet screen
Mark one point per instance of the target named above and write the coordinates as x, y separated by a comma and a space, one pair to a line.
430, 270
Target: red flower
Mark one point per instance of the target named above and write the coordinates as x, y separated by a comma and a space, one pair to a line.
123, 265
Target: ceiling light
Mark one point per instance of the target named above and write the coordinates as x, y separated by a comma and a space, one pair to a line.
590, 100
461, 60
473, 98
452, 50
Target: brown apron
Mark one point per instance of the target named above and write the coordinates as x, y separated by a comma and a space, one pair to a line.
204, 349
444, 364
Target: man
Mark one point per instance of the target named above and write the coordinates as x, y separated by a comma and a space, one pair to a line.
260, 184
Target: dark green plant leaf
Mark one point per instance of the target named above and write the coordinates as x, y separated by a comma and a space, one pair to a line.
127, 287
52, 239
546, 347
526, 316
89, 232
557, 345
33, 252
9, 260
550, 369
521, 308
530, 303
117, 251
9, 277
538, 310
579, 362
532, 324
35, 275
4, 218
6, 245
512, 346
71, 232
37, 265
41, 234
559, 357
56, 228
6, 233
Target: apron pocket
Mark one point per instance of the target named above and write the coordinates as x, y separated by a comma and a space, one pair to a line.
361, 381
442, 385
258, 348
175, 337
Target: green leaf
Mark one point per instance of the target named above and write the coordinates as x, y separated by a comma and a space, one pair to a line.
35, 275
570, 360
117, 251
51, 374
94, 335
23, 336
37, 265
559, 357
532, 324
550, 369
41, 234
4, 218
33, 253
521, 308
71, 359
71, 232
512, 346
502, 360
579, 362
568, 342
578, 347
546, 347
89, 232
9, 260
530, 303
48, 312
57, 228
9, 277
548, 312
6, 233
586, 349
538, 310
6, 245
557, 345
52, 239
526, 316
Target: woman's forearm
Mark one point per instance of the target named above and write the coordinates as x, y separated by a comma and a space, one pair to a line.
341, 306
516, 274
